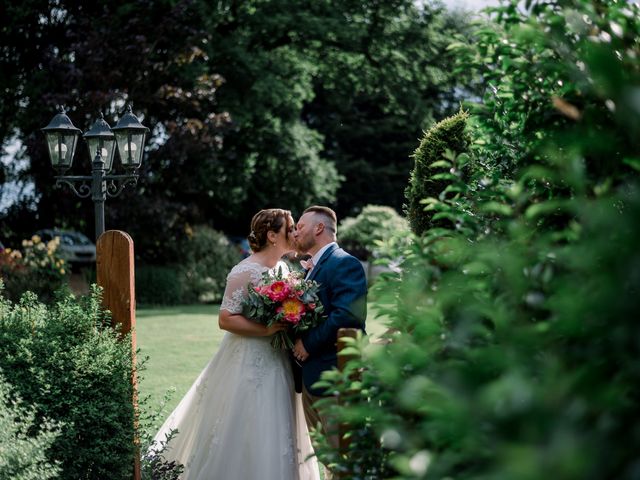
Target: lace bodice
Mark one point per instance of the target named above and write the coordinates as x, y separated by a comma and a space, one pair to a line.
245, 272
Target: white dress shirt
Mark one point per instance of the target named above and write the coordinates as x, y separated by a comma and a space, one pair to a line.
316, 258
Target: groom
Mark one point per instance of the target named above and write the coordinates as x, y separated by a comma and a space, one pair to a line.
342, 292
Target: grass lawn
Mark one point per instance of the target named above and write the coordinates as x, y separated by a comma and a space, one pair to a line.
179, 342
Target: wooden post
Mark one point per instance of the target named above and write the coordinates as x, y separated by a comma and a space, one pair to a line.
115, 274
343, 333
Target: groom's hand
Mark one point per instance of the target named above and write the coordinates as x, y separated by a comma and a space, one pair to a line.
299, 351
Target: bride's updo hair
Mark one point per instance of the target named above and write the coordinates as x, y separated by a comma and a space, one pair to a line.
268, 220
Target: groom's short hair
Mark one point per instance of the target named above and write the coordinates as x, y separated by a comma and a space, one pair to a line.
328, 216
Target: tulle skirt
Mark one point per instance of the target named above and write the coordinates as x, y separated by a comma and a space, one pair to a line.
241, 419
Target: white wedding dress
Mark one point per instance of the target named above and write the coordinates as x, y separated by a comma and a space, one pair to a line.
241, 419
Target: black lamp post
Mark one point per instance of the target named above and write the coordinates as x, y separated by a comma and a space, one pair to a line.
128, 135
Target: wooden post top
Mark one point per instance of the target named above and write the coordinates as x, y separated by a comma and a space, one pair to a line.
115, 274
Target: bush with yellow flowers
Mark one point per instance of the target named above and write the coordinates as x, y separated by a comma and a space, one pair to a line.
38, 267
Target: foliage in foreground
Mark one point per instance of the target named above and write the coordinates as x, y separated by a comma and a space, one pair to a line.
513, 346
23, 454
66, 362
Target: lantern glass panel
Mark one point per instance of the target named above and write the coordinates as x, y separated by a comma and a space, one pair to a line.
61, 148
130, 146
107, 150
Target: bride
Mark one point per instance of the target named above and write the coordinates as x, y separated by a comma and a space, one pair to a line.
241, 419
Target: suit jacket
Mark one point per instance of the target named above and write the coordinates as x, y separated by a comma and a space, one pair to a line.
343, 293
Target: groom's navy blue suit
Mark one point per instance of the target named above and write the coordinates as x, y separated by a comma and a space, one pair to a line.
343, 293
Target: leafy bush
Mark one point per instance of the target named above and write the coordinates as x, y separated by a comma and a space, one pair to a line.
23, 453
363, 234
207, 256
37, 268
67, 362
448, 135
512, 347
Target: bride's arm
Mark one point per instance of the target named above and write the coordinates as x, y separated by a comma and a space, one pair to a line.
240, 325
231, 318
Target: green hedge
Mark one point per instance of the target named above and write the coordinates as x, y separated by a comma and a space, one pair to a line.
199, 275
431, 174
66, 362
159, 285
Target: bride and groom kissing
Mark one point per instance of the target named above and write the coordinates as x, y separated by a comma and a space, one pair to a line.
242, 419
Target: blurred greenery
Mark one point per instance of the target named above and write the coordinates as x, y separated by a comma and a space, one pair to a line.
363, 235
512, 350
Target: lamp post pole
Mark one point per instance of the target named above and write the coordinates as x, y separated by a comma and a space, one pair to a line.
129, 135
99, 189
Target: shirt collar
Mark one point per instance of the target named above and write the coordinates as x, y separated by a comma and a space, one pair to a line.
316, 258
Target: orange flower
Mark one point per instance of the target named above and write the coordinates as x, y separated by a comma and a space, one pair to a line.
292, 308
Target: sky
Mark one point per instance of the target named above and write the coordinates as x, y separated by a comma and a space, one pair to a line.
469, 4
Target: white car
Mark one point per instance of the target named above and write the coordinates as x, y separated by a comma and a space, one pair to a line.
75, 247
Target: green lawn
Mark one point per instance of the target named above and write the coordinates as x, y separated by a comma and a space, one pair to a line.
179, 342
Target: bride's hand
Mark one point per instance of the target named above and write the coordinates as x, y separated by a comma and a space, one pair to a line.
276, 327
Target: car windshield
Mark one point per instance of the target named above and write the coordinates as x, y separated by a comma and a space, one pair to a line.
74, 238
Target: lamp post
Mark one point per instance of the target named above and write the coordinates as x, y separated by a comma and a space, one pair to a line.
128, 135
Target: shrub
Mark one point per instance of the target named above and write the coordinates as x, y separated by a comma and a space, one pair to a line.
449, 135
23, 441
363, 234
37, 268
67, 362
207, 256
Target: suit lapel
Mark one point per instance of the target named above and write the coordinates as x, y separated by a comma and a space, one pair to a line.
325, 256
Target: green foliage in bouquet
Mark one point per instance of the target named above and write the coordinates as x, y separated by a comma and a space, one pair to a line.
37, 268
23, 453
362, 235
68, 364
448, 135
512, 348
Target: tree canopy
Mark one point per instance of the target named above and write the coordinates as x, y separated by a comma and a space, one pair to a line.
251, 104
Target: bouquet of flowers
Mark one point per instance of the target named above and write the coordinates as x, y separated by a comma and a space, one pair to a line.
284, 297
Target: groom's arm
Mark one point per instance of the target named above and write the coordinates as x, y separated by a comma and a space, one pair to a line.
349, 306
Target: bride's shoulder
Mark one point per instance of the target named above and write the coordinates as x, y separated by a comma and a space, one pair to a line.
247, 265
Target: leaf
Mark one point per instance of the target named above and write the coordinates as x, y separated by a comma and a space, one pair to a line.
444, 176
545, 208
633, 163
441, 163
497, 208
349, 351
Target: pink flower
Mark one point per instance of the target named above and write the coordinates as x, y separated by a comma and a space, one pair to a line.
277, 291
311, 306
